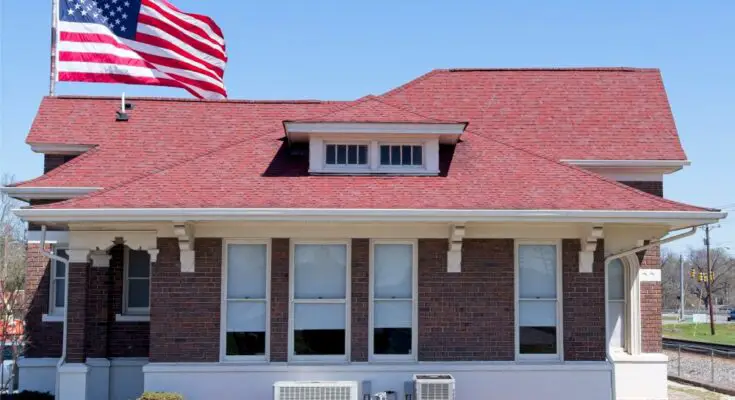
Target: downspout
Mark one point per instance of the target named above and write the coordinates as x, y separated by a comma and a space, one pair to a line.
53, 256
626, 253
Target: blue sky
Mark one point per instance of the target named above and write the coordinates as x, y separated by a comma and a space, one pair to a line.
346, 49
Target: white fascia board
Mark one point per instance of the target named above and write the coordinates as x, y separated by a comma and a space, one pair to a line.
375, 127
666, 166
59, 148
29, 193
673, 218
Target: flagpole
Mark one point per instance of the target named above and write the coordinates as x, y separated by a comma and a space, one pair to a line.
54, 36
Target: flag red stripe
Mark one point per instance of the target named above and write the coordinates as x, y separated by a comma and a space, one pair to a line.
183, 24
202, 18
158, 42
157, 23
90, 37
173, 63
104, 58
117, 78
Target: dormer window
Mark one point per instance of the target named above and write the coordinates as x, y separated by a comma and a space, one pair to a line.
401, 155
346, 155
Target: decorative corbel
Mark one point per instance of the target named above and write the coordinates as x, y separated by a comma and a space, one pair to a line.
100, 258
78, 256
153, 253
588, 246
454, 255
185, 233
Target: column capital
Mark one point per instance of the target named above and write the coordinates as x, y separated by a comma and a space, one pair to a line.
78, 255
154, 254
100, 258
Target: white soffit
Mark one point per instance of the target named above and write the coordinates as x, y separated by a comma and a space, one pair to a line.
631, 167
300, 131
59, 148
29, 193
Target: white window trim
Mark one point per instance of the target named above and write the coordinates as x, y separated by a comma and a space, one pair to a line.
54, 312
345, 167
413, 357
559, 356
126, 267
347, 303
223, 303
628, 288
404, 168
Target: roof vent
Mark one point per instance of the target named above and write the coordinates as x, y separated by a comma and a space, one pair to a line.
124, 106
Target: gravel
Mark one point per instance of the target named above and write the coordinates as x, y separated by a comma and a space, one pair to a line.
699, 367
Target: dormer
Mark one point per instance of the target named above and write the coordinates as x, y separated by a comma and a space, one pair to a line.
372, 137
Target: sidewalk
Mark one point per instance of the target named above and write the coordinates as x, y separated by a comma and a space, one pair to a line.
677, 391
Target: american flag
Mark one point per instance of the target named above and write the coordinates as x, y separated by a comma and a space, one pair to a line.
148, 42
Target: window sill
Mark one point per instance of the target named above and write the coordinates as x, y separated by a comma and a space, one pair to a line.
52, 318
132, 318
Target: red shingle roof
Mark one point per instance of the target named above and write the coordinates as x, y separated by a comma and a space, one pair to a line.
189, 154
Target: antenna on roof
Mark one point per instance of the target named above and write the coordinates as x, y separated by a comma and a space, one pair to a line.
121, 114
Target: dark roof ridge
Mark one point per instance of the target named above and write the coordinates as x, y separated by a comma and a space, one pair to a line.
187, 100
554, 69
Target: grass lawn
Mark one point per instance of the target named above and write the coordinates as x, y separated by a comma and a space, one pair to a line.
724, 333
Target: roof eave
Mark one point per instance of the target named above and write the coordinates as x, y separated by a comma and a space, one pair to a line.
46, 193
674, 219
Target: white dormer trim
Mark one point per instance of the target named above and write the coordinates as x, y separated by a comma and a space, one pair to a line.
400, 128
631, 170
318, 165
60, 148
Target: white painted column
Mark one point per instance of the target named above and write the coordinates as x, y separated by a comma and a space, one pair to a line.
98, 384
73, 382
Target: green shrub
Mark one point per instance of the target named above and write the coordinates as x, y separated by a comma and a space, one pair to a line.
27, 395
161, 396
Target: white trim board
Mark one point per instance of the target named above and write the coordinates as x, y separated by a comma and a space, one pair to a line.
29, 193
673, 218
60, 148
54, 237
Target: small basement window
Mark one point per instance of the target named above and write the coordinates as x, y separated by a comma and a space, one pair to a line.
401, 155
346, 154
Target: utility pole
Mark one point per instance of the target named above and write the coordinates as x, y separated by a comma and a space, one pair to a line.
681, 286
708, 283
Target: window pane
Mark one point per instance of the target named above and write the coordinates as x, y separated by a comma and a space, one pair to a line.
417, 155
246, 270
615, 317
319, 342
537, 313
362, 154
392, 314
138, 293
59, 291
537, 265
319, 316
392, 341
320, 271
341, 154
406, 155
352, 154
393, 271
615, 281
384, 155
60, 266
245, 316
245, 343
537, 340
331, 154
139, 264
395, 155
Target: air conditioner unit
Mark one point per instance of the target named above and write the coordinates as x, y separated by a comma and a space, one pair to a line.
317, 390
433, 387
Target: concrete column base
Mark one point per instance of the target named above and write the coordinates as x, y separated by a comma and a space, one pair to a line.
98, 382
73, 382
641, 376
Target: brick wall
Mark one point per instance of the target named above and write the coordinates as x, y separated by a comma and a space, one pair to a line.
78, 275
360, 298
53, 161
655, 188
279, 299
467, 316
651, 296
44, 337
185, 318
584, 304
124, 339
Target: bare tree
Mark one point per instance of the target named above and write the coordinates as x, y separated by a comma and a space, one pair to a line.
670, 279
723, 270
12, 279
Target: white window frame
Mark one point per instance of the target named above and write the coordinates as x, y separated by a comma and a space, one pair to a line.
401, 167
347, 302
559, 356
53, 310
223, 305
626, 309
372, 357
126, 268
340, 167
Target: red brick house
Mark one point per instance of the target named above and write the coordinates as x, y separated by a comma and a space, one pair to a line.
499, 225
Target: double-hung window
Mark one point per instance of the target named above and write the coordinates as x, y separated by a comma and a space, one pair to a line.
319, 301
137, 282
538, 278
57, 284
616, 304
245, 295
393, 301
